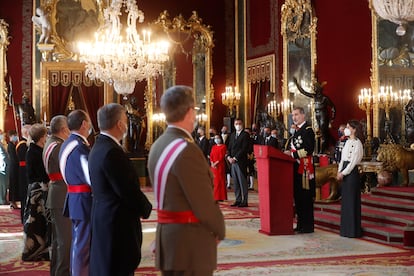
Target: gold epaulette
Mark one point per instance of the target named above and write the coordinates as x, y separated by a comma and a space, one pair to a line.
302, 153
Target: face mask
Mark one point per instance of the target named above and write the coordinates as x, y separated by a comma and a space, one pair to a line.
211, 134
266, 134
1, 137
217, 141
273, 135
14, 139
90, 131
238, 127
347, 132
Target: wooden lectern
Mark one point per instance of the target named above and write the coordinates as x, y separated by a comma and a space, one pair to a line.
275, 179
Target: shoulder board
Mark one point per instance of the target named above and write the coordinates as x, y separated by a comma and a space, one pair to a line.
189, 140
20, 143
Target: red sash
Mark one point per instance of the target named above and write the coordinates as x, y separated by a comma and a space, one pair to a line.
165, 216
55, 176
80, 188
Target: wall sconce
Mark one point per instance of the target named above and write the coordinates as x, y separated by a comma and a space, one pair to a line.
231, 99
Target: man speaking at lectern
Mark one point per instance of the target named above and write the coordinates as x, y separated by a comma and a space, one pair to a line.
300, 146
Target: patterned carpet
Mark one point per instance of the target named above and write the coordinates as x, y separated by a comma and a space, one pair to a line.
245, 251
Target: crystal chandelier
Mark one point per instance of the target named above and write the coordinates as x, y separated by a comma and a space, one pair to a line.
397, 11
122, 61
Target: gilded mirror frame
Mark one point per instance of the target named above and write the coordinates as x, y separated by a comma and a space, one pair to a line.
374, 73
293, 14
202, 49
4, 42
391, 64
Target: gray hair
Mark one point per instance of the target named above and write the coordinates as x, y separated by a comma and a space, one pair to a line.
37, 131
58, 123
176, 101
109, 115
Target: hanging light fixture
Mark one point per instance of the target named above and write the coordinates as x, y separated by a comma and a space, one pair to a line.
119, 56
397, 11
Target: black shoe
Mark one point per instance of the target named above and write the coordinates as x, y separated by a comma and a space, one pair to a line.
235, 204
243, 205
297, 229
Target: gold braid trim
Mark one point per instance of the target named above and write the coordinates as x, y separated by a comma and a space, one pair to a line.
302, 153
305, 181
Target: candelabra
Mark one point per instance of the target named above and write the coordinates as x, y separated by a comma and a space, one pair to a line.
276, 109
387, 99
201, 119
231, 99
159, 124
365, 102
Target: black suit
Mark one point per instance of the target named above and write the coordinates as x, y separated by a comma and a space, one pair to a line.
238, 149
204, 145
118, 205
271, 141
303, 142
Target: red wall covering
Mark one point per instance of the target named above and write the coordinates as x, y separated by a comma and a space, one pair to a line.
11, 12
344, 54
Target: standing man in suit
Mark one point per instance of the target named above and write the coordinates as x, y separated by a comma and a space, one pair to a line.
225, 137
61, 225
203, 142
190, 223
301, 146
237, 157
73, 163
118, 203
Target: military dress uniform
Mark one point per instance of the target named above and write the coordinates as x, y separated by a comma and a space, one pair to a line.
189, 220
302, 145
21, 149
73, 162
61, 225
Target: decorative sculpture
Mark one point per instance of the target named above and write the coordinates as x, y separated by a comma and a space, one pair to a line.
328, 174
26, 111
397, 158
323, 116
42, 21
136, 126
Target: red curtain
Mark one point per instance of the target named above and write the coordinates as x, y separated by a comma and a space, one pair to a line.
259, 91
64, 99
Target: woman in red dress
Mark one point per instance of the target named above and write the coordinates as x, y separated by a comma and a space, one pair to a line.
218, 167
